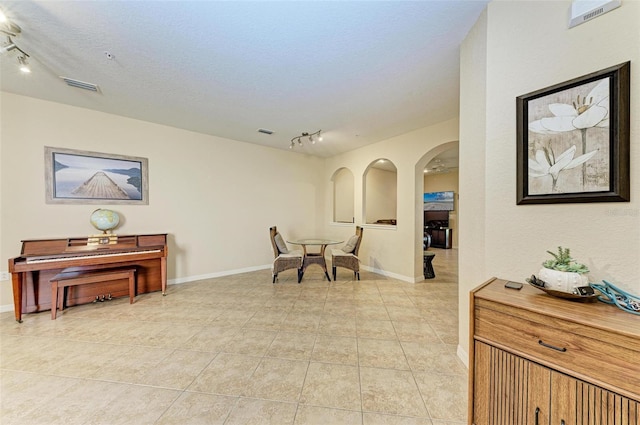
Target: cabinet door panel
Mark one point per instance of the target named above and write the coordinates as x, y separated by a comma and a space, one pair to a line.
538, 395
508, 390
575, 402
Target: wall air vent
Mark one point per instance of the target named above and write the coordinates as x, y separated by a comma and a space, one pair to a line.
585, 10
81, 84
265, 131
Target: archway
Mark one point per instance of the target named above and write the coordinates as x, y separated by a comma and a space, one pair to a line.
420, 167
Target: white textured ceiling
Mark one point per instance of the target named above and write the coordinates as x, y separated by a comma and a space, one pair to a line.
362, 71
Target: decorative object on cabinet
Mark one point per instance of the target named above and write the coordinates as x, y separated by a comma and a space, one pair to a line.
541, 360
563, 273
541, 285
83, 177
573, 140
611, 294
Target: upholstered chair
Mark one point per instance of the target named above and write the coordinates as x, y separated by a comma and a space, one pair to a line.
284, 259
347, 256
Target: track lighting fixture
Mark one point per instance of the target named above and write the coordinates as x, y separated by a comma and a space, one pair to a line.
12, 30
312, 137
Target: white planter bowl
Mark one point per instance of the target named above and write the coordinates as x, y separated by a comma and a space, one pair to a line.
562, 281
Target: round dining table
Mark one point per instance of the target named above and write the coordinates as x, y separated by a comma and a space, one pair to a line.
314, 257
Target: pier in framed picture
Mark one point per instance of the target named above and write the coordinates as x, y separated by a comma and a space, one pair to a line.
82, 177
573, 140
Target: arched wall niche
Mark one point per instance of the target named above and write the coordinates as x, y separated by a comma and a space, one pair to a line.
343, 196
380, 193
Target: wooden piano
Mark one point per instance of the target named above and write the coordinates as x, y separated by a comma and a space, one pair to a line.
42, 259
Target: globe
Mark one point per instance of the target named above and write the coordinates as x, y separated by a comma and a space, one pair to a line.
104, 220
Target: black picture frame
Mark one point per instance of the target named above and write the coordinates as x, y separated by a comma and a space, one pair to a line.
562, 131
95, 178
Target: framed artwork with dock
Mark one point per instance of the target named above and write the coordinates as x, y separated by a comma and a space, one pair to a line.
83, 177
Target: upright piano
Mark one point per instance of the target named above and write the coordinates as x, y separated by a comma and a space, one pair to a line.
42, 259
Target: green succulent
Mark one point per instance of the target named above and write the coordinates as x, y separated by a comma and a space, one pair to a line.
563, 262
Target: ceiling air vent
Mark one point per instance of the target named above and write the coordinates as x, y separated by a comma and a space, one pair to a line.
584, 10
265, 131
80, 84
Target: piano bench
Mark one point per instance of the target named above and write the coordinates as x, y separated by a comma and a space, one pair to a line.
65, 279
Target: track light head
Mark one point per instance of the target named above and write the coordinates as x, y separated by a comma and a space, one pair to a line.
8, 27
24, 65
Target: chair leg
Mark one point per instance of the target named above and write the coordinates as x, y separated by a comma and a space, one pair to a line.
300, 273
274, 278
327, 274
358, 273
334, 273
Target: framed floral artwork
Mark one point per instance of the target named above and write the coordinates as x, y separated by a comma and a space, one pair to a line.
573, 140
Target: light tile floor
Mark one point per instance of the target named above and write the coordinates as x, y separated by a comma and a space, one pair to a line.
241, 350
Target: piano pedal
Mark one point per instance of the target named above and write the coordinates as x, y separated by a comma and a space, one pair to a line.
109, 297
97, 299
101, 298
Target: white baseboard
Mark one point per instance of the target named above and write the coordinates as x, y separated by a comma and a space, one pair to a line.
463, 355
216, 274
392, 275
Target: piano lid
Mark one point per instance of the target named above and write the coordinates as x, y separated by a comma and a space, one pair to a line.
85, 244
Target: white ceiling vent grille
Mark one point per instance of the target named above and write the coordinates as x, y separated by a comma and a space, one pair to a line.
585, 10
81, 84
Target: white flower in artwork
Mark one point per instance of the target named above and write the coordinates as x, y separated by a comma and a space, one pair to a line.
586, 112
546, 164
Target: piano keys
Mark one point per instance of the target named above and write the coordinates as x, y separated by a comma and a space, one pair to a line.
41, 259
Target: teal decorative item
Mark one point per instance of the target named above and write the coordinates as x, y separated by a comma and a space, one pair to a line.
105, 220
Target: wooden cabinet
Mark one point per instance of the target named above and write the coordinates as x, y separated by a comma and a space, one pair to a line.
536, 359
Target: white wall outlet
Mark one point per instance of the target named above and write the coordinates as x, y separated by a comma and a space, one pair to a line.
5, 276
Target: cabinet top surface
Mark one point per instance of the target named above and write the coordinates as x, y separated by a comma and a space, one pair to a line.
594, 314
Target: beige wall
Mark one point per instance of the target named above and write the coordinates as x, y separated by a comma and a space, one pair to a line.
442, 183
215, 197
515, 48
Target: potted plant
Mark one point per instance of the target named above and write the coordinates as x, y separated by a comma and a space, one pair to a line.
562, 272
